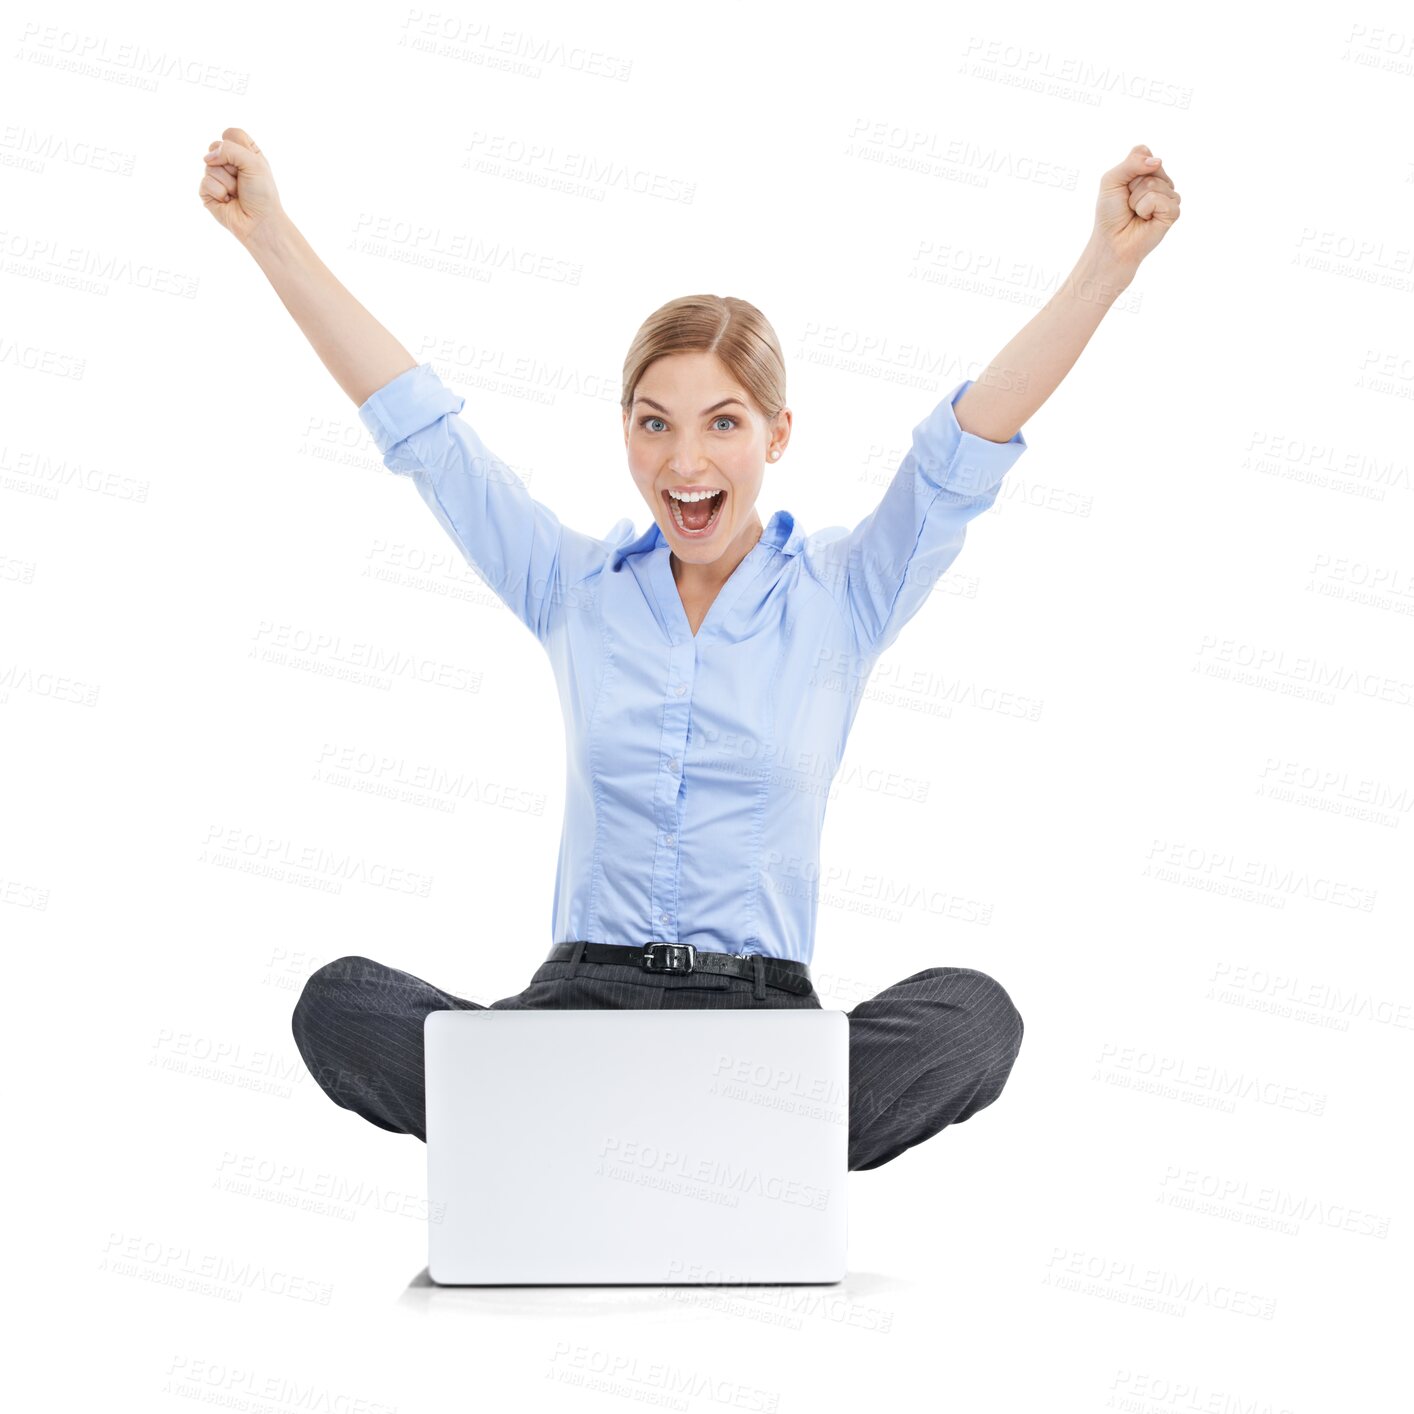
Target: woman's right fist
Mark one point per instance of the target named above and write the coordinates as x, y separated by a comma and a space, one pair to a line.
238, 188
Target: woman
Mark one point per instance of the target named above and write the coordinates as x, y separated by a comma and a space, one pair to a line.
709, 669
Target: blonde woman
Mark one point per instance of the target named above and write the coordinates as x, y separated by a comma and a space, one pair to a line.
709, 669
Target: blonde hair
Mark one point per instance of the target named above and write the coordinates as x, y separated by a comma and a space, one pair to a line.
733, 329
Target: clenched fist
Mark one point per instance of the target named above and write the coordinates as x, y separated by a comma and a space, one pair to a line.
239, 187
1136, 206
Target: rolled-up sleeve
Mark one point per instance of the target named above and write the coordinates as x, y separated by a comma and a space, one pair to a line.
883, 570
515, 543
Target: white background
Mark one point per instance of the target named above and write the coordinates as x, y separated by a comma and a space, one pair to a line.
1155, 725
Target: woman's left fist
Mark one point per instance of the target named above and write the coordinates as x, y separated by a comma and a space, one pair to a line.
1136, 207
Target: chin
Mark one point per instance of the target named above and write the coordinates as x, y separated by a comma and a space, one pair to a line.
699, 552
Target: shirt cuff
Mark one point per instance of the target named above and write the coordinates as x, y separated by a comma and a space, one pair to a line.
413, 400
961, 463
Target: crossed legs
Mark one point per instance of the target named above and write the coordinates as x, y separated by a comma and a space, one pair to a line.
925, 1053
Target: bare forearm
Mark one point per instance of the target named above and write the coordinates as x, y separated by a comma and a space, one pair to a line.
356, 349
1030, 368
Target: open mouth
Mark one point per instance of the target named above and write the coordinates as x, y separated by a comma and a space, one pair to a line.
696, 519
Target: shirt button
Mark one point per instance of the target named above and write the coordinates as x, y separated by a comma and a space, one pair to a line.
665, 918
673, 763
680, 688
668, 839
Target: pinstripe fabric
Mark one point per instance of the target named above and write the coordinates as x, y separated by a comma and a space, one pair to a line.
925, 1053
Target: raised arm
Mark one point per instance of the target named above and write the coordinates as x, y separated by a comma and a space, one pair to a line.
883, 570
1134, 211
514, 542
239, 191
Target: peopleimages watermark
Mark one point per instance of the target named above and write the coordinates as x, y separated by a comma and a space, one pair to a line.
711, 1179
1263, 1205
1207, 1085
1288, 993
320, 1191
240, 1387
205, 1273
644, 1380
1094, 1274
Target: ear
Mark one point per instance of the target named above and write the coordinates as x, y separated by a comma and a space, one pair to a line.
781, 429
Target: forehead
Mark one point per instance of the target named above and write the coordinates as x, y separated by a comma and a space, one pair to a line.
696, 380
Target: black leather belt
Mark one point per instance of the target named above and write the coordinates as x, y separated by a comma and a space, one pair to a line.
683, 958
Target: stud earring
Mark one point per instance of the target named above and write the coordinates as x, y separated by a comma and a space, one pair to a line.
774, 454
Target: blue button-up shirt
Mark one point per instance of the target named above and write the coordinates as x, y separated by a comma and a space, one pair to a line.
698, 766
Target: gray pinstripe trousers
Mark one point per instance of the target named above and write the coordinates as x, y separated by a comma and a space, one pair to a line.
928, 1052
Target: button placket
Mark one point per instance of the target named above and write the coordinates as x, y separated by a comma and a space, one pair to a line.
667, 796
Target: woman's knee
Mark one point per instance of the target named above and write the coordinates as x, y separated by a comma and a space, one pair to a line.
1000, 1009
335, 983
982, 998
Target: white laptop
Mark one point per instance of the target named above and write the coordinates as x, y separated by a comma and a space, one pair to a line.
630, 1146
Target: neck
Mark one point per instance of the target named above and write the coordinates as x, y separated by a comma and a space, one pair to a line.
709, 577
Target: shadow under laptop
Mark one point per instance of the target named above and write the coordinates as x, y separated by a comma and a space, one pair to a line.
423, 1294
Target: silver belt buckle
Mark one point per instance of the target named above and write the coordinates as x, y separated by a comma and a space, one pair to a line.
680, 957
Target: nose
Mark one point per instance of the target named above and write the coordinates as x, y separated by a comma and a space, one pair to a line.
685, 456
684, 462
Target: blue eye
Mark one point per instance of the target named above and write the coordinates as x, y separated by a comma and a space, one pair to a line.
653, 417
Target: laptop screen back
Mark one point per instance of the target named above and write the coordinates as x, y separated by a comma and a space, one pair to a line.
616, 1146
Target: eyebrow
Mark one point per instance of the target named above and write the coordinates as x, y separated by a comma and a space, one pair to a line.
726, 402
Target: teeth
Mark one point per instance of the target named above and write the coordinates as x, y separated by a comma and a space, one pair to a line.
691, 495
677, 516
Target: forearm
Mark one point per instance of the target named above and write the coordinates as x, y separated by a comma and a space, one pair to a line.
1029, 369
357, 350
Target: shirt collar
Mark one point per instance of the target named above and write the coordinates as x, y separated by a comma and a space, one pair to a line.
780, 533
